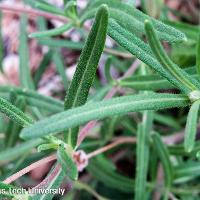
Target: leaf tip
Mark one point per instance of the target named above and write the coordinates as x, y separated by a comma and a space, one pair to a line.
23, 134
188, 147
31, 35
103, 9
147, 25
146, 21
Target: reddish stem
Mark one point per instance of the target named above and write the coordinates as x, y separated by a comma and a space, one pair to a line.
33, 12
119, 141
29, 168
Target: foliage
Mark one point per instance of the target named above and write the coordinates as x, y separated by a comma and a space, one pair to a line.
151, 106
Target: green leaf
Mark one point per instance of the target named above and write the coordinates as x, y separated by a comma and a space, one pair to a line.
14, 128
70, 9
5, 190
48, 8
35, 99
66, 161
42, 67
25, 74
83, 186
142, 150
14, 113
186, 171
191, 127
87, 65
60, 67
44, 147
1, 43
62, 43
53, 181
109, 177
107, 69
148, 82
198, 56
14, 152
116, 106
141, 50
163, 154
189, 30
165, 61
52, 32
167, 121
132, 20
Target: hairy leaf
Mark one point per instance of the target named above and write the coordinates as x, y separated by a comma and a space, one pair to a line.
67, 163
35, 99
165, 61
14, 113
87, 65
13, 128
106, 108
133, 20
147, 82
141, 50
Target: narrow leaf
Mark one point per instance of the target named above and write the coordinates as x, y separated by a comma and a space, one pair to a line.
67, 164
141, 50
25, 74
163, 154
14, 113
14, 152
86, 68
62, 43
148, 82
142, 151
34, 98
121, 105
107, 69
52, 32
133, 20
42, 67
14, 128
191, 31
198, 55
49, 8
53, 181
109, 177
165, 61
60, 67
191, 127
1, 43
